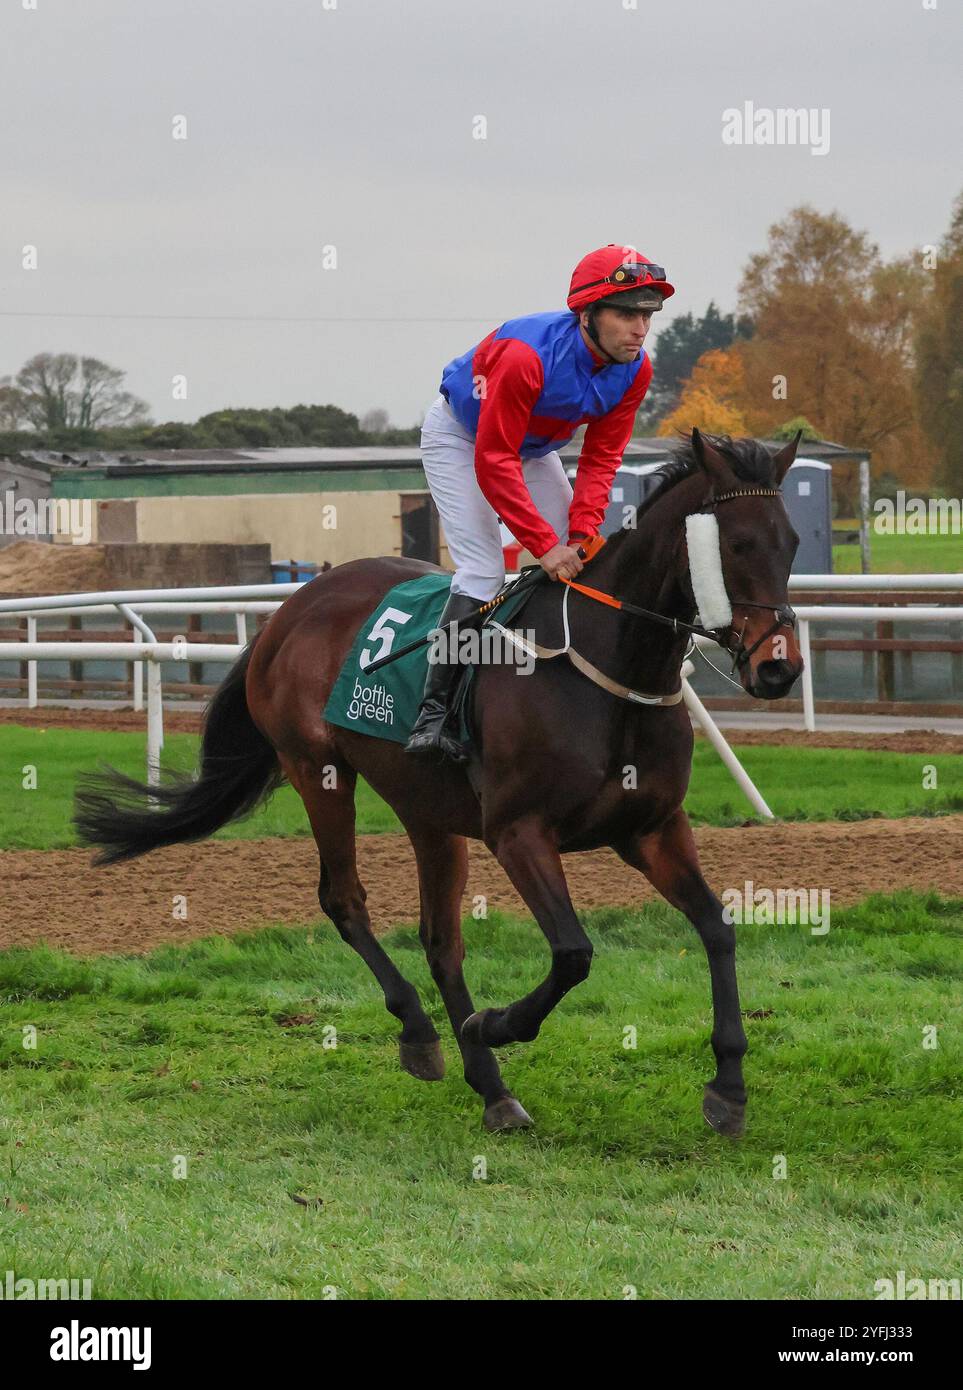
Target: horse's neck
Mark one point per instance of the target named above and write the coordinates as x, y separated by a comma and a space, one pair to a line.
640, 566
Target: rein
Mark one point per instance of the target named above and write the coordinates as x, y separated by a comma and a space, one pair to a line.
783, 612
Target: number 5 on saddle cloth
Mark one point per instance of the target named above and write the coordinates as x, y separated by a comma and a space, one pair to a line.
385, 703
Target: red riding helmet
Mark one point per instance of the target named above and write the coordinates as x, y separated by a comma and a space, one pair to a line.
612, 269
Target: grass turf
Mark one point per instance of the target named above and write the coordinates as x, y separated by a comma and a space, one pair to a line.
798, 783
934, 554
314, 1171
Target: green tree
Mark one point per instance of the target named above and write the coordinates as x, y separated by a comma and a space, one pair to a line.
792, 427
677, 350
172, 434
315, 425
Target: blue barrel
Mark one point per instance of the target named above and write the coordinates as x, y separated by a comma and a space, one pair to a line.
292, 571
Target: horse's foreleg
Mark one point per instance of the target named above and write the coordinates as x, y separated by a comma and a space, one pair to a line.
527, 852
442, 875
342, 896
670, 862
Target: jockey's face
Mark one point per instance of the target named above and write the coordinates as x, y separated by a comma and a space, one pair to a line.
621, 332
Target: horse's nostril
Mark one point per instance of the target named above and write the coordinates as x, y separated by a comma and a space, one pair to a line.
775, 672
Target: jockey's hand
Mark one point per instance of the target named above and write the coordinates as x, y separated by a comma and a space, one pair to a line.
562, 562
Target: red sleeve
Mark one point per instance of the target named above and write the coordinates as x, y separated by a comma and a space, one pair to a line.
602, 450
511, 384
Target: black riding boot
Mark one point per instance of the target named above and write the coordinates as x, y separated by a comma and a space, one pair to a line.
429, 736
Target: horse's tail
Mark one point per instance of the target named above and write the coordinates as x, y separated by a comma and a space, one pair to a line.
239, 769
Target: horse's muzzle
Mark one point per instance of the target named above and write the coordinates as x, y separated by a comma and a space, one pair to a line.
771, 680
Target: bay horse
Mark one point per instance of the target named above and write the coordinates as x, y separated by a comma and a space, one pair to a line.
552, 748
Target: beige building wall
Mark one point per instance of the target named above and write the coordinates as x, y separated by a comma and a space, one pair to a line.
310, 526
297, 526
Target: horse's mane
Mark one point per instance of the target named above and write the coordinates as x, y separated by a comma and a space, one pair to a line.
749, 460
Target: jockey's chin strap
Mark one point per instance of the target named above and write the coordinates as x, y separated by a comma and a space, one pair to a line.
783, 613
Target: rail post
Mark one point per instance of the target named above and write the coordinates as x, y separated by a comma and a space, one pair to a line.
155, 721
702, 716
32, 700
809, 703
137, 672
884, 664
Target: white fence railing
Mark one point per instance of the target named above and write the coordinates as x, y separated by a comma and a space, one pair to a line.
251, 599
132, 604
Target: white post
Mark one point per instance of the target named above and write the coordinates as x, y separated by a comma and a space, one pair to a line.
865, 556
155, 722
809, 704
32, 666
240, 620
138, 670
699, 712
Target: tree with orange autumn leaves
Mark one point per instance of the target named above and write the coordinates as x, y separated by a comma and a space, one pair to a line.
713, 398
833, 342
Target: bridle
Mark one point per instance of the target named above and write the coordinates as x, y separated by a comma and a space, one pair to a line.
783, 613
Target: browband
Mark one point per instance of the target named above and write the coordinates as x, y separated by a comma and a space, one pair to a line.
744, 492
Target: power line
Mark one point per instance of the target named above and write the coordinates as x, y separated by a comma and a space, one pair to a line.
244, 318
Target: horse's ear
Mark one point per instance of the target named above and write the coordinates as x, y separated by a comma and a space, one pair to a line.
712, 462
783, 461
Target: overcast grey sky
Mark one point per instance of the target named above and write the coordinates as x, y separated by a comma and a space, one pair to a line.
310, 126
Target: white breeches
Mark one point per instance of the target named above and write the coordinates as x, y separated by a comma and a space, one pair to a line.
472, 532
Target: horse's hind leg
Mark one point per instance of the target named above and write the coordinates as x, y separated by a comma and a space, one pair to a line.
341, 895
670, 862
442, 874
528, 854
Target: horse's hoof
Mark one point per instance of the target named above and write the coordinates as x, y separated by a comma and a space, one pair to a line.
426, 1061
473, 1028
506, 1113
725, 1116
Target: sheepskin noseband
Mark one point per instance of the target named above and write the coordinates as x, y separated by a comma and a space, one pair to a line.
705, 570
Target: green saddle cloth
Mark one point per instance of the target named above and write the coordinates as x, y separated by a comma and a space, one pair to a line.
385, 703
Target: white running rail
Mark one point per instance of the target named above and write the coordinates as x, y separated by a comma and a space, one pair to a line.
252, 599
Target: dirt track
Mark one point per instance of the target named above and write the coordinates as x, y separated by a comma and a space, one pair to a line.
63, 901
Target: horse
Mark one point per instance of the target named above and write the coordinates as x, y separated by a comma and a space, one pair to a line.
552, 745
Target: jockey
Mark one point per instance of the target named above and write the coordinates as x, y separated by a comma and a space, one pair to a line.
489, 442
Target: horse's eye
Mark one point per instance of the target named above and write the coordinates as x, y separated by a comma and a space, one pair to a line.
742, 547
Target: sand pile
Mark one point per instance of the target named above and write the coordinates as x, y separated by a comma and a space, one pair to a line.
40, 567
